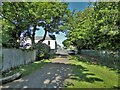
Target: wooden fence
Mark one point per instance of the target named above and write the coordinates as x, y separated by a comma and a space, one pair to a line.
12, 58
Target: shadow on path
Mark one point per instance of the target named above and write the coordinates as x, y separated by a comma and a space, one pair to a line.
52, 75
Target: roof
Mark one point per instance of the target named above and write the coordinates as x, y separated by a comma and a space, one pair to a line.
40, 37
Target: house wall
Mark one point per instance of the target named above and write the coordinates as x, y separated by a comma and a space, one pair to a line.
28, 41
52, 43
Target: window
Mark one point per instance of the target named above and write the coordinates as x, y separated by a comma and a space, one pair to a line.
48, 42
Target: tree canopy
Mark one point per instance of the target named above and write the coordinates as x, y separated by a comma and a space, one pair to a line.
97, 27
19, 17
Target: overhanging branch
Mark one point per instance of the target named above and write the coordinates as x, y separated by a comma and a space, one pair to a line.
8, 20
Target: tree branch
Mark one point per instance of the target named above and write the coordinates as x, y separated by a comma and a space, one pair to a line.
45, 34
8, 20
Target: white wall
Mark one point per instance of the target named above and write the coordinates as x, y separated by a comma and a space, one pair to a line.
28, 41
52, 43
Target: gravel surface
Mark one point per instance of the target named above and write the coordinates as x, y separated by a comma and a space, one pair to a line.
51, 75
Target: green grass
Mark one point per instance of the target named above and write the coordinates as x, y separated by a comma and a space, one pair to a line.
27, 69
91, 76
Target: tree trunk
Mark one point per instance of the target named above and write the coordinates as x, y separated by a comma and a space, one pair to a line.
18, 33
45, 34
33, 39
33, 35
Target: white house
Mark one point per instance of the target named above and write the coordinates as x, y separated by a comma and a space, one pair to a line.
48, 41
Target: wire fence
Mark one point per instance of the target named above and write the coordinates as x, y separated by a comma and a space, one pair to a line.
109, 58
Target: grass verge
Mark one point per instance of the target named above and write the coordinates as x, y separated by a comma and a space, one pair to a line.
26, 69
87, 75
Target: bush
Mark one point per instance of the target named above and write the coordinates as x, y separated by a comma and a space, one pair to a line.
43, 50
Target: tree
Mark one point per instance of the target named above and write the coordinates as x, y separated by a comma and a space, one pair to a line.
16, 16
66, 43
107, 18
50, 16
53, 17
23, 16
97, 27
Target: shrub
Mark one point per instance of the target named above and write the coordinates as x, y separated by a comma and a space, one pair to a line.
42, 50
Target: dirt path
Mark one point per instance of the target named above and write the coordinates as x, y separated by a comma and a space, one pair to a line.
52, 75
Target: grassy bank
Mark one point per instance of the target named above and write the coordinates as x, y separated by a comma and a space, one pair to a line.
89, 75
26, 69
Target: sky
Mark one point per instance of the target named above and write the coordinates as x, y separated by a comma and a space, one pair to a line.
78, 6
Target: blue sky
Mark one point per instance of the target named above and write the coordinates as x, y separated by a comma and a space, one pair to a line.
72, 6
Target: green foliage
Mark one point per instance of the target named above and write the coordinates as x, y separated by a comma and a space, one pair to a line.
7, 39
21, 15
43, 50
53, 16
66, 43
96, 27
14, 20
